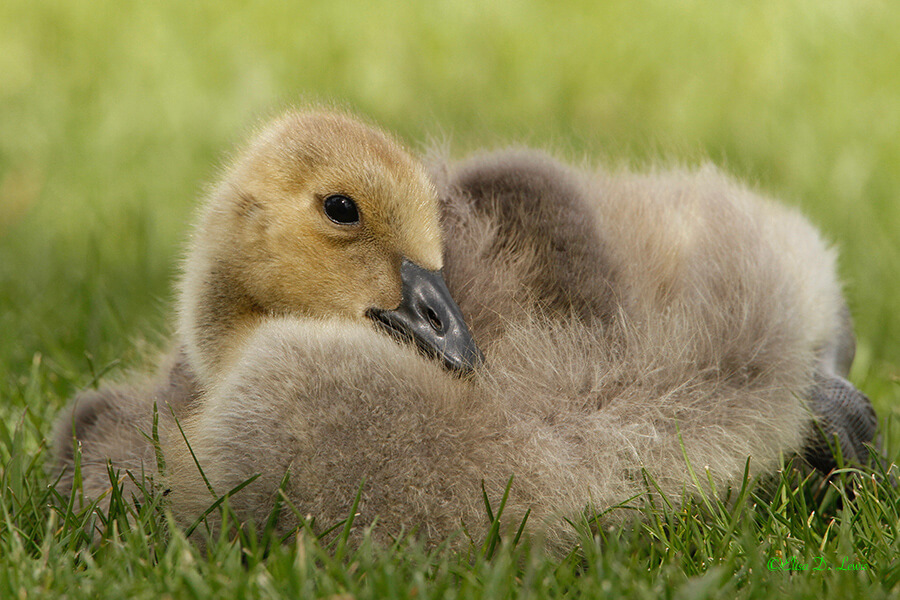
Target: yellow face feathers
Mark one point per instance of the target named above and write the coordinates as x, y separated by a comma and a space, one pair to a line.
313, 219
278, 192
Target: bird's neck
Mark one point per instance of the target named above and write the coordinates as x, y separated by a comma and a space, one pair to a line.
216, 317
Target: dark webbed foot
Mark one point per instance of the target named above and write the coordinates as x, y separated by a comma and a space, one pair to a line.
844, 416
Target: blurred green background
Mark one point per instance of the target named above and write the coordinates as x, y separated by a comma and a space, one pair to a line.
114, 115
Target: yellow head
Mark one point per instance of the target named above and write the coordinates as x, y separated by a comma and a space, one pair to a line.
315, 218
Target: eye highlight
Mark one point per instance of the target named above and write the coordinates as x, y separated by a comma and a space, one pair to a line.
341, 209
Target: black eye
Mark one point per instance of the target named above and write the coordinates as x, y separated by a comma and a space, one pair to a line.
341, 209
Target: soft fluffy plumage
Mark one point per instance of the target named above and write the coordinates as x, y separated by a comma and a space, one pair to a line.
621, 316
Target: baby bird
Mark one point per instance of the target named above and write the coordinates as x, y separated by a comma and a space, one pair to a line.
627, 323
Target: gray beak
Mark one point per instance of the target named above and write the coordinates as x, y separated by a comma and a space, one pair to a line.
428, 317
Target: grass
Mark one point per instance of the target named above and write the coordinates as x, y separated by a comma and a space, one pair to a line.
114, 115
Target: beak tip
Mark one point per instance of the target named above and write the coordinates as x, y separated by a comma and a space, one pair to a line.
428, 317
465, 364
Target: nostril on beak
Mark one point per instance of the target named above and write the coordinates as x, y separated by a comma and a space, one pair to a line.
434, 320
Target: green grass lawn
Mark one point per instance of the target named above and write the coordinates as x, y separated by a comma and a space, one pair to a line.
114, 115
